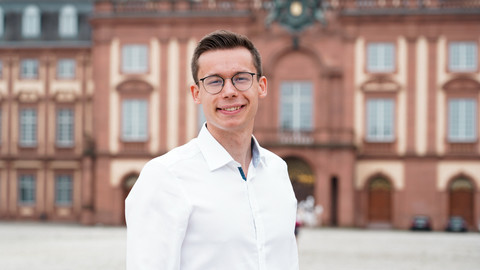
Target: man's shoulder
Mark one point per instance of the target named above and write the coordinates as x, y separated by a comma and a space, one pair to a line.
178, 154
271, 156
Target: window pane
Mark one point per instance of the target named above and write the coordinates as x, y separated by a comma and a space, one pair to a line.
29, 69
296, 111
2, 19
26, 189
66, 68
134, 120
462, 119
65, 127
134, 59
28, 127
462, 57
31, 22
63, 190
380, 120
380, 57
68, 21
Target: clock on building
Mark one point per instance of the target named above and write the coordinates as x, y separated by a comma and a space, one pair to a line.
296, 15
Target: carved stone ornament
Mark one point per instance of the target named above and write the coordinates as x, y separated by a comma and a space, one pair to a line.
296, 15
463, 84
381, 84
28, 96
65, 96
134, 86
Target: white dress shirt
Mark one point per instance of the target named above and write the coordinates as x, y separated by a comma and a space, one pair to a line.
192, 209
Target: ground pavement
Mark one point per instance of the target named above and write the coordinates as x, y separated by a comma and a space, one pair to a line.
46, 246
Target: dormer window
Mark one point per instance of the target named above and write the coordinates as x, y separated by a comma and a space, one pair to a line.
68, 22
31, 22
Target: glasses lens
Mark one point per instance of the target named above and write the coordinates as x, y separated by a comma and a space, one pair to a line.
213, 84
242, 81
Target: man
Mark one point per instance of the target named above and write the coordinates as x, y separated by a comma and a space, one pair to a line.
220, 201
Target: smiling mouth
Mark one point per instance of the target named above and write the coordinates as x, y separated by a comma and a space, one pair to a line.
231, 109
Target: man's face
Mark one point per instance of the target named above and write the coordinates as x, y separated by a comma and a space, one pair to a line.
231, 109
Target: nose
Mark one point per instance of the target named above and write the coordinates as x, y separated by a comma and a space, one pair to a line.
229, 89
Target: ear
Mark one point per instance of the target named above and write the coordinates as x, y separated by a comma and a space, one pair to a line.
195, 93
262, 89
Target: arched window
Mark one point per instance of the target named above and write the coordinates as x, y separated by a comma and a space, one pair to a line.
31, 21
1, 21
67, 26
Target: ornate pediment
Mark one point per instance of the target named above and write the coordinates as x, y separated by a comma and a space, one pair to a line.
134, 86
381, 84
462, 84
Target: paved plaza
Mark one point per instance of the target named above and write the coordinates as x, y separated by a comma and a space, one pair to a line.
42, 246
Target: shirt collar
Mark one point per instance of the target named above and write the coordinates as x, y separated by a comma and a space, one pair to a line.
216, 156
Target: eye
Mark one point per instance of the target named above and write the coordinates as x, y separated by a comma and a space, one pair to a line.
213, 81
242, 78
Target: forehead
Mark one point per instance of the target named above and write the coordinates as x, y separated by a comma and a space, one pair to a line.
225, 61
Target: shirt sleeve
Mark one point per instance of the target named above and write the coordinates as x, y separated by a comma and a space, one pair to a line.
157, 213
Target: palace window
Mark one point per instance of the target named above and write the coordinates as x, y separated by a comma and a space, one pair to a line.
68, 21
66, 68
65, 127
134, 120
2, 22
380, 57
26, 189
462, 57
134, 58
31, 22
462, 119
29, 69
380, 120
296, 112
63, 190
28, 127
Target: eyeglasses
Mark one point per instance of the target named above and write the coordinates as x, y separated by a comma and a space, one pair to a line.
242, 81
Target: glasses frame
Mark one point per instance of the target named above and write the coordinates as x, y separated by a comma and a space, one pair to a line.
223, 81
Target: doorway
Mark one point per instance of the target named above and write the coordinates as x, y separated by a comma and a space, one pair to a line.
380, 201
461, 199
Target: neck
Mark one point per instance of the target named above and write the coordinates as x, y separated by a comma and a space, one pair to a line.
237, 143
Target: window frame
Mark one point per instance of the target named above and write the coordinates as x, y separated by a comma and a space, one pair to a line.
297, 119
66, 64
65, 128
380, 65
68, 22
137, 123
27, 185
134, 58
461, 66
64, 186
380, 136
2, 22
31, 140
462, 138
31, 22
29, 69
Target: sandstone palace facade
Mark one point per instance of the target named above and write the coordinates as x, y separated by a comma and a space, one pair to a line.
374, 104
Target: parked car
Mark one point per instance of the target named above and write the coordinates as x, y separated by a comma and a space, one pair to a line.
421, 223
456, 224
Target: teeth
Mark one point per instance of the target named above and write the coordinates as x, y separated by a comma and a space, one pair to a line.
232, 109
